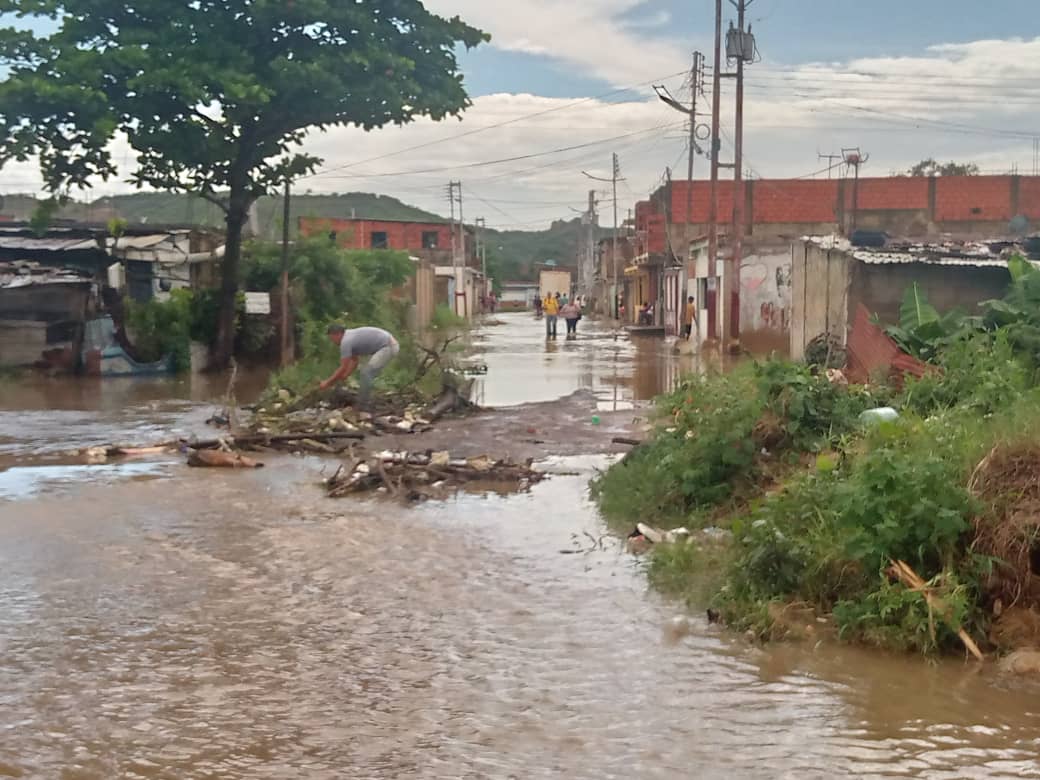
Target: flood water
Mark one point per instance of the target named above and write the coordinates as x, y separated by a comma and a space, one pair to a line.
214, 624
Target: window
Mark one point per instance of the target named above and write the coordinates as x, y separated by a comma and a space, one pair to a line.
379, 240
429, 239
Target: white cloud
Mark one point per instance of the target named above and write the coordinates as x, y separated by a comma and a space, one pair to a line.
969, 102
587, 34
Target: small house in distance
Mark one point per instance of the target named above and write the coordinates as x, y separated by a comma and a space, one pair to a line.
835, 285
518, 296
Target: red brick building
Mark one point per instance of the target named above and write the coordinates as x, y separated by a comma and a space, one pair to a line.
780, 210
900, 205
429, 240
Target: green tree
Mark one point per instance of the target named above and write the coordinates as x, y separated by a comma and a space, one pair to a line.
930, 167
329, 281
215, 96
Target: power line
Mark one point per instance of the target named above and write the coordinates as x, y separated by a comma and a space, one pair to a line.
516, 158
504, 123
914, 73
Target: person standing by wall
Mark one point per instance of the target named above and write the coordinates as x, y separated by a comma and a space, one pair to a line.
551, 307
689, 317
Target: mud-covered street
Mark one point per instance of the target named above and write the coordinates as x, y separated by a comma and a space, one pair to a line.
161, 622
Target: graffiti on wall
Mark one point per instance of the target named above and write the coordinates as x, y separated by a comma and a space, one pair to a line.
765, 283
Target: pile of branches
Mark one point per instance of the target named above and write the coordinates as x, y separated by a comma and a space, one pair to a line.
1007, 481
418, 476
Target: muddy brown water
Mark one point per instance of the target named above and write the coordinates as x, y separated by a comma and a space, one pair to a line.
211, 624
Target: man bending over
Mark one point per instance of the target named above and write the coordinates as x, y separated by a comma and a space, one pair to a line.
354, 343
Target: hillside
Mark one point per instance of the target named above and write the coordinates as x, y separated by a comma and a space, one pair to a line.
515, 251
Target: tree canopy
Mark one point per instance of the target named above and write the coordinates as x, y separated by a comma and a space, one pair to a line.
215, 96
930, 167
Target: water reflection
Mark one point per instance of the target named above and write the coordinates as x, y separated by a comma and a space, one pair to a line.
523, 366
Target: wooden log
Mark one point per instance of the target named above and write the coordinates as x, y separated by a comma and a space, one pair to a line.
623, 440
221, 459
272, 438
447, 402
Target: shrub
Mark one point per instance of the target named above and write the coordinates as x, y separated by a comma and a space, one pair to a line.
328, 281
160, 328
696, 459
982, 373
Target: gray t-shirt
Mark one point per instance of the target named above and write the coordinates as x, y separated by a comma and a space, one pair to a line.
363, 341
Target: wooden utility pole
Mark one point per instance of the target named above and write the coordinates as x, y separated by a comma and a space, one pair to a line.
286, 355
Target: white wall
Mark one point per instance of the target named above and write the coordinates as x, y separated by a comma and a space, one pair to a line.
765, 292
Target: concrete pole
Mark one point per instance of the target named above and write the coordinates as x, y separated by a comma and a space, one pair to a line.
613, 179
713, 205
731, 333
286, 341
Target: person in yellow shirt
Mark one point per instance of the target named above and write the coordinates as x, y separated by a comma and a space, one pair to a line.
551, 307
689, 317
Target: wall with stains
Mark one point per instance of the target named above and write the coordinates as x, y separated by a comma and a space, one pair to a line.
765, 299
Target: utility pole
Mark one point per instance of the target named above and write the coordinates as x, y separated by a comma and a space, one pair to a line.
480, 224
740, 44
854, 158
696, 86
615, 177
286, 351
590, 272
451, 231
716, 145
462, 229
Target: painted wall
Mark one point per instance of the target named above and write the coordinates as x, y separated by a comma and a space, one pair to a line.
765, 299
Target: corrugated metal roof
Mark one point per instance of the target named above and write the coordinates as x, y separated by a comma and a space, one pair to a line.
904, 258
46, 244
140, 242
972, 254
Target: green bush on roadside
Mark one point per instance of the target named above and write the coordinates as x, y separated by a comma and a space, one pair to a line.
718, 435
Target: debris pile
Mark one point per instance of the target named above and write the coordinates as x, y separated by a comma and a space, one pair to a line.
1008, 530
338, 413
419, 476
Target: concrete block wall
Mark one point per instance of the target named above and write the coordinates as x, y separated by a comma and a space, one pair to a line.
357, 233
899, 204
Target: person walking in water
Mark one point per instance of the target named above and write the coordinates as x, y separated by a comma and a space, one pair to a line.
551, 307
571, 312
689, 317
355, 343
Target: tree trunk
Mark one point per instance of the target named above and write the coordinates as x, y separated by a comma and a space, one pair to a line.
224, 348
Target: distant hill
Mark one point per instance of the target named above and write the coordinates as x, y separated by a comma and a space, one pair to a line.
517, 250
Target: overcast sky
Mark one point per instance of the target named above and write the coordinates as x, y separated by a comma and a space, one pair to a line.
902, 79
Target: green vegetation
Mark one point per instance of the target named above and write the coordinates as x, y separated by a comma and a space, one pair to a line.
353, 288
819, 502
930, 167
723, 436
215, 100
161, 328
511, 254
